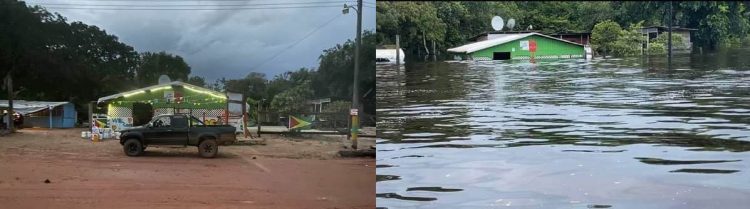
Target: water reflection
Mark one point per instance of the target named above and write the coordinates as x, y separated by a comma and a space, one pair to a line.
566, 133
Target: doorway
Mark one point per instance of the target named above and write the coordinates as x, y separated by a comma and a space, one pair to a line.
500, 55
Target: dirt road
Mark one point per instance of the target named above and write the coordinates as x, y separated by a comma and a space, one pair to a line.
83, 174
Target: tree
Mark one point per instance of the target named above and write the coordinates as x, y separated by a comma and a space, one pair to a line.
293, 100
197, 80
333, 78
254, 85
45, 50
154, 65
604, 37
629, 41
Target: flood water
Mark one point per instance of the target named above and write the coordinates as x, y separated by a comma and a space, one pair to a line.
567, 133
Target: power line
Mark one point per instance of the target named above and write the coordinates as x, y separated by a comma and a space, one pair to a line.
297, 42
185, 0
317, 3
166, 9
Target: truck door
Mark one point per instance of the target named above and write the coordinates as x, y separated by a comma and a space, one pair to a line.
158, 131
179, 133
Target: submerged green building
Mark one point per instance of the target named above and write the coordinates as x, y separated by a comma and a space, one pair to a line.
518, 46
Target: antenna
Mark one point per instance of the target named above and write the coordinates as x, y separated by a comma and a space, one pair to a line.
511, 24
497, 23
164, 79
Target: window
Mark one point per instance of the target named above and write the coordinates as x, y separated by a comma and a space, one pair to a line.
179, 121
501, 56
195, 122
162, 122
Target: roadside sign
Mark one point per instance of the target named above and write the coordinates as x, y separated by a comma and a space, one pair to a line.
524, 45
532, 45
354, 112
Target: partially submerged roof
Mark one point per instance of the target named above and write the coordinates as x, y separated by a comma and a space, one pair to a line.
26, 107
165, 85
500, 39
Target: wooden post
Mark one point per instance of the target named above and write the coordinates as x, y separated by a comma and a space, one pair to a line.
669, 40
398, 53
257, 111
11, 117
434, 52
91, 115
244, 113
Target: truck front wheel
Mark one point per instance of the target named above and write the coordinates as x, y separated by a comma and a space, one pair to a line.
208, 148
132, 147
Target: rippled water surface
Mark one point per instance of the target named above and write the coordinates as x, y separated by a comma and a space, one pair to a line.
615, 133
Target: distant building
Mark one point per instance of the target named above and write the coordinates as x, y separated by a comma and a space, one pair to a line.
387, 55
516, 45
583, 38
41, 114
137, 107
654, 31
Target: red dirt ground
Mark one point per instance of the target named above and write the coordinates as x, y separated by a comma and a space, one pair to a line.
83, 174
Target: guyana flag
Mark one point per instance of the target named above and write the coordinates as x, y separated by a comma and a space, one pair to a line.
299, 122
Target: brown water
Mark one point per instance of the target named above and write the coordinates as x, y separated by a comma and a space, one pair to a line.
614, 133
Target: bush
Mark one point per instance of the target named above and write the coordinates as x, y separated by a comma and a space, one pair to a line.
656, 48
609, 39
659, 44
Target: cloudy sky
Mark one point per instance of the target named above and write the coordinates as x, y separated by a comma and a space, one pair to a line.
230, 42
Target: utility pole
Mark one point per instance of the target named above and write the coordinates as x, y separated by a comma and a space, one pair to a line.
355, 88
669, 40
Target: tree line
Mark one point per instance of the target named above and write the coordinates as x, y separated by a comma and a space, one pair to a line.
53, 59
450, 24
333, 78
50, 58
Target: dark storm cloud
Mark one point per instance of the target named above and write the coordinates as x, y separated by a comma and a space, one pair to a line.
229, 43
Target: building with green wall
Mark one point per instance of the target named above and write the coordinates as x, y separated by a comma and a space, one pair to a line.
133, 108
516, 46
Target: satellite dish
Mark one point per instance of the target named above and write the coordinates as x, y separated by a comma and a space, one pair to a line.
164, 79
497, 23
511, 23
529, 28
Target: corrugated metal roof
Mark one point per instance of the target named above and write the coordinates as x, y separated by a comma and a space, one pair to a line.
177, 83
26, 107
476, 46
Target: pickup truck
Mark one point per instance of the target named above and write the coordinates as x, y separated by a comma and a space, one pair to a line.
177, 129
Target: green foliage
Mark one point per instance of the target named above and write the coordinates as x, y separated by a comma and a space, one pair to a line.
604, 37
452, 24
154, 65
656, 48
332, 79
629, 41
197, 80
337, 107
659, 44
293, 100
44, 51
608, 38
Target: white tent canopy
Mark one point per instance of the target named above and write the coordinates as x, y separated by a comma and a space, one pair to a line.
26, 107
176, 83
